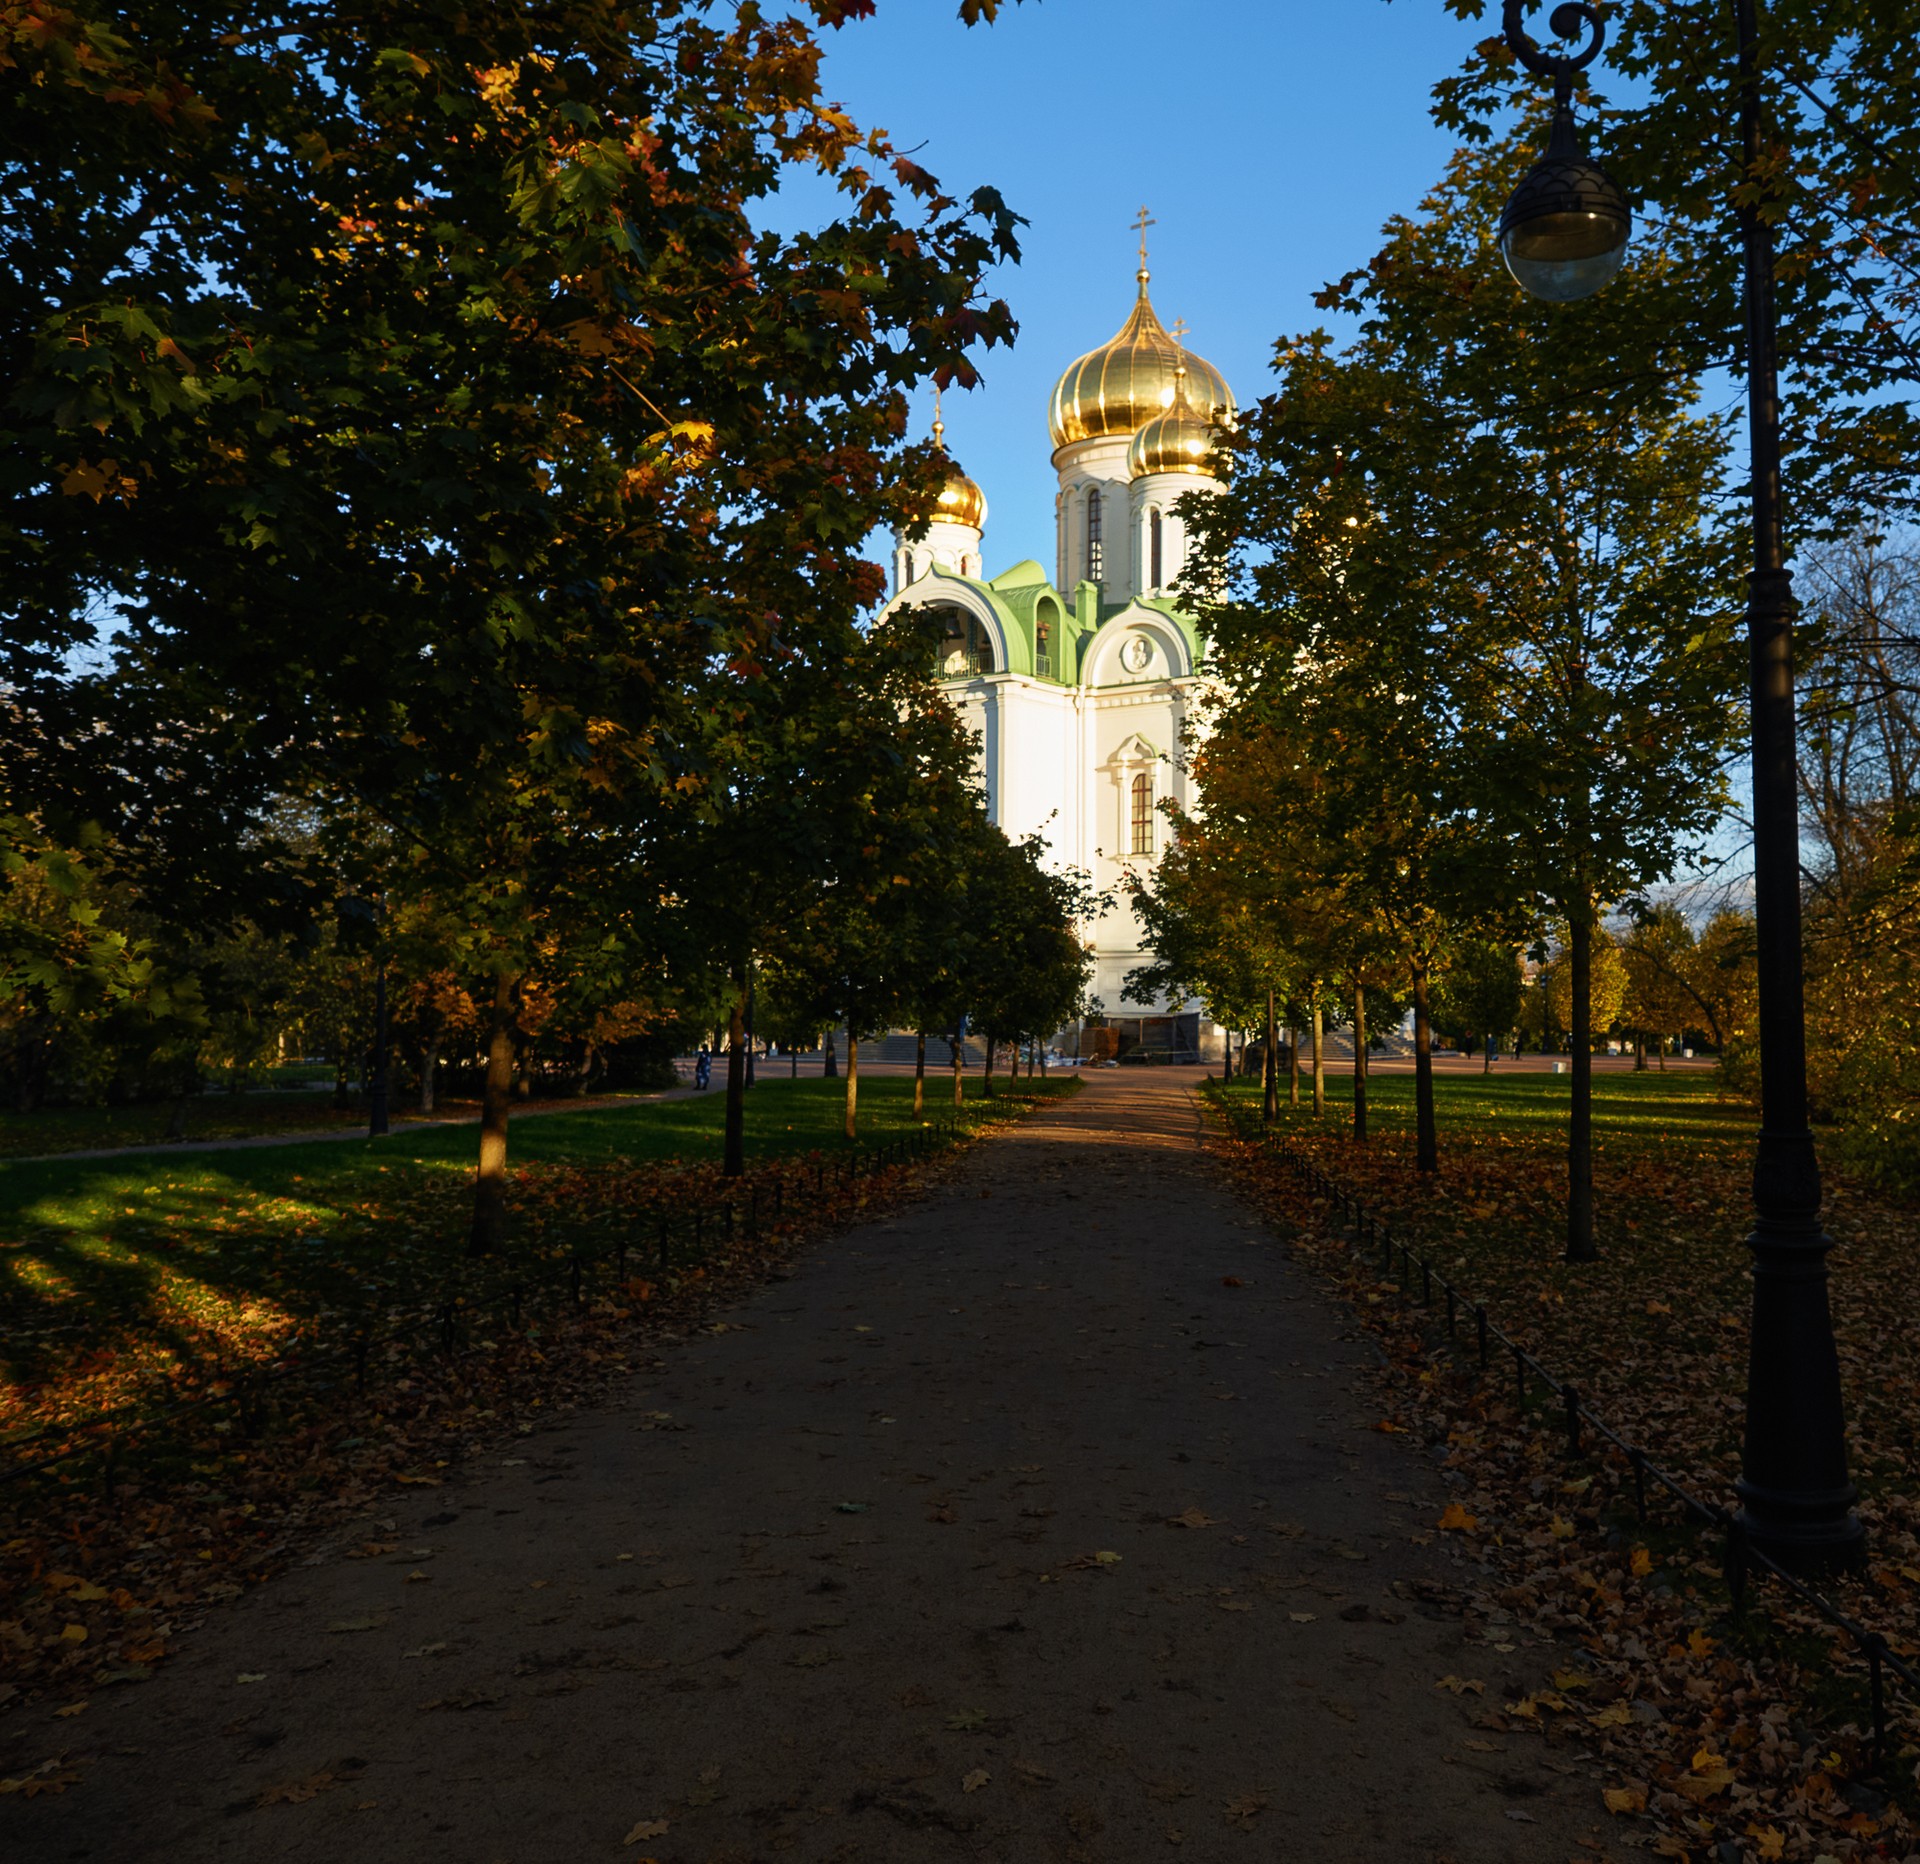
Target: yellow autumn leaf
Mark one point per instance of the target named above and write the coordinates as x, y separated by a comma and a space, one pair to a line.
1705, 1759
1625, 1799
1456, 1520
1642, 1563
1769, 1840
1699, 1644
1614, 1715
1462, 1685
974, 1781
647, 1828
74, 1634
1562, 1528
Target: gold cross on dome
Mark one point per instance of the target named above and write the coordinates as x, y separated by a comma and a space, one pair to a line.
1179, 332
1142, 221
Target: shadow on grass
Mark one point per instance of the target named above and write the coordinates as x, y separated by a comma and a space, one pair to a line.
116, 1274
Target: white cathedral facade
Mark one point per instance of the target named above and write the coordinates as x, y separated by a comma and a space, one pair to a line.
1079, 683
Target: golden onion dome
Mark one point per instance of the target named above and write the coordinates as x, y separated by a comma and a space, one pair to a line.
1125, 383
961, 500
1177, 441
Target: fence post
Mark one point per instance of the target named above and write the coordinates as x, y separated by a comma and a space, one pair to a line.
729, 1221
1638, 1458
663, 1243
360, 1344
1453, 1331
446, 1312
573, 1270
1570, 1397
1736, 1563
1520, 1378
1480, 1327
753, 1211
1875, 1645
1426, 1282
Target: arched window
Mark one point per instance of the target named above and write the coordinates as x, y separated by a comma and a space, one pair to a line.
1155, 549
1096, 561
1143, 814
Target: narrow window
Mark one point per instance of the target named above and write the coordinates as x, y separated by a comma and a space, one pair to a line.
1096, 565
1155, 548
1143, 814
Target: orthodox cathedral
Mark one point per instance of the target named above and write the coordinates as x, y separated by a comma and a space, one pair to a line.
1078, 683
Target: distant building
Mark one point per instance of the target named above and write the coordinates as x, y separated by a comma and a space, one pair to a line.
1079, 684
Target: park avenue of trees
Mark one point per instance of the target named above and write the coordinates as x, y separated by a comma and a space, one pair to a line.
1474, 595
478, 502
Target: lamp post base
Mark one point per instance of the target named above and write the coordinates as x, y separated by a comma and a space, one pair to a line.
1796, 1503
1808, 1535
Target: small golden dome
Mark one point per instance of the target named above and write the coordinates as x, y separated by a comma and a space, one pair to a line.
1125, 383
961, 500
1177, 441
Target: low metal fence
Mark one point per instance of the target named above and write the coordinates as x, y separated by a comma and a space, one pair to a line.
331, 1354
1490, 1341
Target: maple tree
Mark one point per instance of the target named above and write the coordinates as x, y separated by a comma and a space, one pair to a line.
440, 425
1499, 589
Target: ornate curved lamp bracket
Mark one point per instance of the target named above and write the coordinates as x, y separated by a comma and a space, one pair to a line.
1564, 22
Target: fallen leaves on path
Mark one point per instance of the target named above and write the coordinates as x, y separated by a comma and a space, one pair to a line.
93, 1587
1730, 1736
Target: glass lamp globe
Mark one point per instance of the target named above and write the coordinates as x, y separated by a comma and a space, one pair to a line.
1564, 232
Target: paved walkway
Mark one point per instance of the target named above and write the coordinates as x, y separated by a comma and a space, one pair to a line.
1040, 1521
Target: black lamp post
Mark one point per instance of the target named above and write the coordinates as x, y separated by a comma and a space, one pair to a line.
1563, 235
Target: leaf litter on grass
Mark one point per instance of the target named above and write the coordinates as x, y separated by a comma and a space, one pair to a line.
1719, 1732
94, 1590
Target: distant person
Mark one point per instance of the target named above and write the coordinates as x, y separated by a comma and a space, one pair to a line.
702, 1068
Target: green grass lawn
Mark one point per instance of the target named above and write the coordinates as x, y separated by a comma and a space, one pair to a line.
205, 1116
122, 1272
1651, 1108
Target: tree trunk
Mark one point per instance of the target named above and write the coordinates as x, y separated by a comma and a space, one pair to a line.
1270, 1071
490, 1184
1486, 1060
1640, 1054
1359, 1065
429, 1061
986, 1073
1580, 1244
853, 1083
829, 1065
1427, 1142
1226, 1058
1293, 1066
1319, 1065
734, 1159
957, 1061
342, 1099
748, 1031
585, 1076
919, 1073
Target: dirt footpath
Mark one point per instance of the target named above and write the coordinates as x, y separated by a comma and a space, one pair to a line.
1042, 1521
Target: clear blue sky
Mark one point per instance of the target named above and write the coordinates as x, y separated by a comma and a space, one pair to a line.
1269, 138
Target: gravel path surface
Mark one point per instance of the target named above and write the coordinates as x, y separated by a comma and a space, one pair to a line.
1041, 1520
